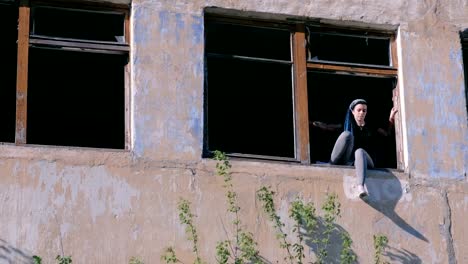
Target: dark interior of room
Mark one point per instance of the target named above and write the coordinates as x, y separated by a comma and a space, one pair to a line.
8, 27
76, 99
329, 97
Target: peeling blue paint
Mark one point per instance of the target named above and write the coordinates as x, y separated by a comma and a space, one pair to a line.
197, 30
141, 93
455, 56
198, 69
141, 34
164, 17
196, 126
180, 26
439, 90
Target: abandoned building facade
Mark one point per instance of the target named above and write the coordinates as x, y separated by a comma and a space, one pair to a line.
111, 111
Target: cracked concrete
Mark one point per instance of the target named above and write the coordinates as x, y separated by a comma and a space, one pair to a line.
446, 230
103, 206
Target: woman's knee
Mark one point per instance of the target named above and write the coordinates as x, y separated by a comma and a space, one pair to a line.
359, 153
346, 136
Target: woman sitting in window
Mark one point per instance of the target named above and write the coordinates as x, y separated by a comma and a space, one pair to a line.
356, 138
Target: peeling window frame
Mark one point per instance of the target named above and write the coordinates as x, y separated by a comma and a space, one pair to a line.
27, 40
301, 66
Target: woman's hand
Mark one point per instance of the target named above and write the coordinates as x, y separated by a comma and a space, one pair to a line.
327, 127
392, 114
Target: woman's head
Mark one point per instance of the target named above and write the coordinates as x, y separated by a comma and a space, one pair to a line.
358, 108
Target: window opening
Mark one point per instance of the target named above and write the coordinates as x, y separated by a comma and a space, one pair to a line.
250, 107
76, 99
266, 83
250, 95
8, 27
464, 36
330, 105
72, 71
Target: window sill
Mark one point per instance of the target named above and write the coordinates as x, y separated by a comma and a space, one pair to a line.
69, 155
302, 171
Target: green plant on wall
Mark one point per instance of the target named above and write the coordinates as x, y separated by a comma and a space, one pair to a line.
63, 259
331, 208
60, 259
265, 196
304, 217
37, 259
186, 218
135, 260
347, 256
242, 248
169, 256
380, 243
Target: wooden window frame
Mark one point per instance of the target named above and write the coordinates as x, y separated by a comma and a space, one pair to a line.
26, 40
300, 68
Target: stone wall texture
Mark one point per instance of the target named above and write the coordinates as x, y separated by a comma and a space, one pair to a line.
103, 206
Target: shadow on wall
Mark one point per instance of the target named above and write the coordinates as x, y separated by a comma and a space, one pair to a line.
336, 245
12, 255
336, 242
402, 256
313, 245
385, 193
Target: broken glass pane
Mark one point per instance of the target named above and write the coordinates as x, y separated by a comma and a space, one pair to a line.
78, 24
248, 41
349, 49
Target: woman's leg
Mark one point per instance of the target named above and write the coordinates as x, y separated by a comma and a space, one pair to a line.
343, 149
362, 161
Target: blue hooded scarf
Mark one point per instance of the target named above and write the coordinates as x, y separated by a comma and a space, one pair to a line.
348, 124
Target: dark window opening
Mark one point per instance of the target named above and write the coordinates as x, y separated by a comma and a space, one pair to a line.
249, 99
250, 107
78, 24
349, 49
329, 97
8, 28
465, 63
76, 99
266, 82
248, 41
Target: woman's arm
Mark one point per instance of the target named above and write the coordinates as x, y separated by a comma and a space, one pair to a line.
391, 122
326, 127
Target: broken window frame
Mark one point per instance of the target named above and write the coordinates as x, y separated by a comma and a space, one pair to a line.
27, 40
301, 65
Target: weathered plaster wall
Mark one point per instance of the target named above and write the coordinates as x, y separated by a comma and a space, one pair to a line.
106, 206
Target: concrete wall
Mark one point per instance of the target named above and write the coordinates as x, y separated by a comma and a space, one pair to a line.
105, 206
